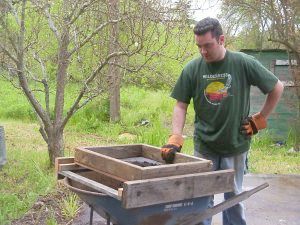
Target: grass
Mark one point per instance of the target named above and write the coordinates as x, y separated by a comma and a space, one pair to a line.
51, 221
70, 206
27, 175
267, 157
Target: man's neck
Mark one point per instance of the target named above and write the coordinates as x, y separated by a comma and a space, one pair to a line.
222, 56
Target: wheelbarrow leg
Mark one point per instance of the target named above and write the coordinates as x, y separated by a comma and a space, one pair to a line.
107, 219
91, 215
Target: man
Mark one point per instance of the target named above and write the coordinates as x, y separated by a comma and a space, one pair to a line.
219, 83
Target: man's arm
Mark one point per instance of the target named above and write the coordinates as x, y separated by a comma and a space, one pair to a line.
178, 119
258, 121
175, 141
272, 99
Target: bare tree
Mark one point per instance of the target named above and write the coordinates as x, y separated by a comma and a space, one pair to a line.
47, 45
279, 21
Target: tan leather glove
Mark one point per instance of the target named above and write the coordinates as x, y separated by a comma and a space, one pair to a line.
253, 124
169, 150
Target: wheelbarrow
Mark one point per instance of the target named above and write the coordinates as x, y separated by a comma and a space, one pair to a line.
110, 181
184, 212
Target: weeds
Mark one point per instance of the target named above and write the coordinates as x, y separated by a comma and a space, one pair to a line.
51, 221
70, 206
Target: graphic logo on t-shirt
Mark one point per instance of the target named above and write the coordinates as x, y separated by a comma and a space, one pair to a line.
217, 88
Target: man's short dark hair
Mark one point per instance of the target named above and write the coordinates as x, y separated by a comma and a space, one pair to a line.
208, 24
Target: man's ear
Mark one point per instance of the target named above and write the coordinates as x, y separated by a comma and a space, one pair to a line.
222, 40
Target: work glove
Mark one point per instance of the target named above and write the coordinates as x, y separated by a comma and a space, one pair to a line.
252, 124
169, 150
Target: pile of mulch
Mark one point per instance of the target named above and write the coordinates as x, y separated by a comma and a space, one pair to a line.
44, 208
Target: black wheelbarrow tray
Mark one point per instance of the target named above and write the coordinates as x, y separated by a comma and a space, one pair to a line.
163, 200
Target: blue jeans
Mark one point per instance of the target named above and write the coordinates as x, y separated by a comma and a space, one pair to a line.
234, 215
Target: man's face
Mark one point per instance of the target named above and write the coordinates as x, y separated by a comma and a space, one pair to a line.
210, 48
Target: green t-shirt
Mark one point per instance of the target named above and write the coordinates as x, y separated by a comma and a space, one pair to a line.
221, 97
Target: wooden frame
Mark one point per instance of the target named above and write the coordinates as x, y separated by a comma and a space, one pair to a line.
109, 160
105, 169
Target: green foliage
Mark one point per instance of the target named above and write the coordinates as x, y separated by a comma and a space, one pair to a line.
70, 206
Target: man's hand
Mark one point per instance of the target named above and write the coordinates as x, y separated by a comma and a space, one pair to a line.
253, 124
169, 150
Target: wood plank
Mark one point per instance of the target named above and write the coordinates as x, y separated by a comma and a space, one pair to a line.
176, 169
69, 166
90, 183
63, 160
118, 151
103, 178
59, 161
103, 163
175, 188
120, 192
153, 153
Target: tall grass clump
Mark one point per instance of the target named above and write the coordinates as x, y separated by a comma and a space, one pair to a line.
70, 206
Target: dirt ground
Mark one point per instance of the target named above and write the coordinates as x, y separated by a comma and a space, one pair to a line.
279, 204
46, 207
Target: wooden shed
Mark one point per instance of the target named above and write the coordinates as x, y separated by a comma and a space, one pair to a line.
282, 120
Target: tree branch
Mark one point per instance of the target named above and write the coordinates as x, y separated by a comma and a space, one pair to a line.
51, 23
11, 81
14, 12
90, 98
89, 37
12, 57
43, 133
81, 10
285, 43
20, 71
75, 105
44, 81
9, 35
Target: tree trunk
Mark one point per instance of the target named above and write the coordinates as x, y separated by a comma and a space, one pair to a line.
114, 102
114, 76
296, 72
55, 145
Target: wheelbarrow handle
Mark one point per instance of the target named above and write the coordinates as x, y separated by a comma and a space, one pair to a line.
90, 183
195, 218
78, 190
